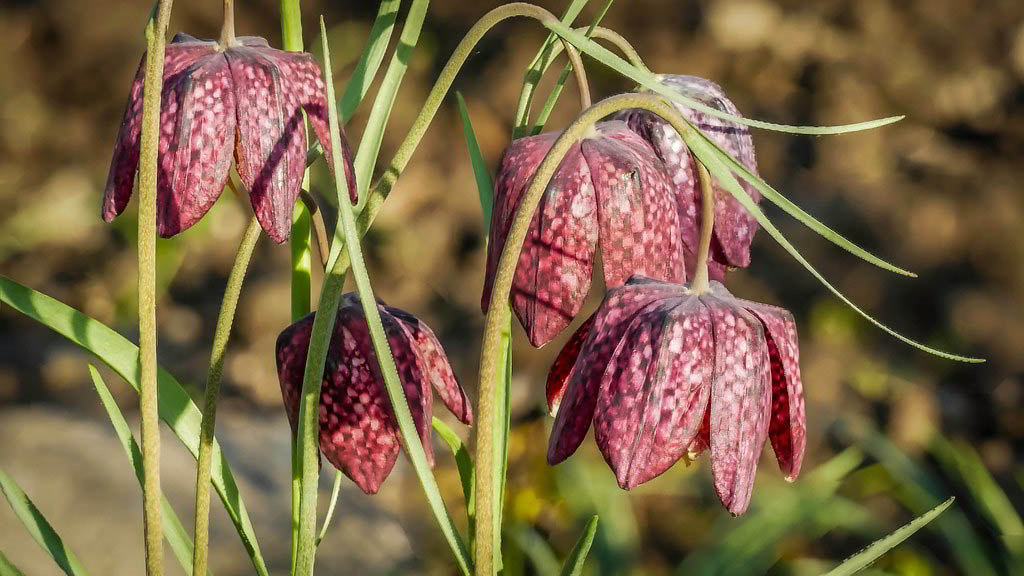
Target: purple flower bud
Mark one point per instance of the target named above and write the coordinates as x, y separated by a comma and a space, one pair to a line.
248, 98
610, 190
358, 431
734, 226
664, 373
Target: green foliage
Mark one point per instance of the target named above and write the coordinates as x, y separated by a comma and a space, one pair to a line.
39, 528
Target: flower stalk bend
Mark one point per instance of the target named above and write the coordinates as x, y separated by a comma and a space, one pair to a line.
498, 315
200, 553
156, 32
707, 223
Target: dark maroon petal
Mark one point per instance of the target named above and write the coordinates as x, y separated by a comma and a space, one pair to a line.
303, 82
412, 372
179, 56
740, 401
788, 427
271, 146
639, 224
561, 368
197, 130
556, 264
610, 323
435, 364
675, 398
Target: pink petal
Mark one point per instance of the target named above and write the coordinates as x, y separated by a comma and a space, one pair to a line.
675, 399
180, 54
788, 427
555, 268
610, 323
435, 364
740, 401
640, 232
562, 367
270, 151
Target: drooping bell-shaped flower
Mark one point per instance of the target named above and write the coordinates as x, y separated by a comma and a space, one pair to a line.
734, 226
664, 372
358, 431
247, 98
610, 191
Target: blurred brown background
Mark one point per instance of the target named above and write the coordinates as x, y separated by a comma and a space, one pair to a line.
938, 193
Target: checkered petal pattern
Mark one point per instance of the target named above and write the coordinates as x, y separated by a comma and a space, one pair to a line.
734, 226
358, 431
248, 98
665, 373
610, 190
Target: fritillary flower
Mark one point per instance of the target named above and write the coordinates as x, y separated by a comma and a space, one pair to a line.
247, 98
358, 431
664, 373
734, 226
610, 191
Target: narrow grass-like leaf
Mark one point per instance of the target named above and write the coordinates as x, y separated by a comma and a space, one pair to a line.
578, 555
796, 212
865, 557
463, 462
7, 568
649, 81
373, 135
706, 154
122, 356
37, 526
174, 531
539, 65
484, 184
370, 60
556, 91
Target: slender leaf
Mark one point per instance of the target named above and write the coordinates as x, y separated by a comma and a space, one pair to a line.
174, 531
484, 184
373, 135
707, 154
796, 212
370, 60
464, 463
122, 356
7, 568
39, 528
649, 81
867, 556
578, 555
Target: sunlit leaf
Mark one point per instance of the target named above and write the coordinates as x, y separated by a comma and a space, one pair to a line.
39, 528
578, 555
370, 60
865, 557
484, 184
464, 463
174, 531
7, 568
122, 356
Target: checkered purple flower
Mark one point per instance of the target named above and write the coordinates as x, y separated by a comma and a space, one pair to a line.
665, 373
247, 98
358, 431
610, 190
734, 226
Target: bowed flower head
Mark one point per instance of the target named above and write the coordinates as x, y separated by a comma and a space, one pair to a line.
358, 431
247, 98
734, 226
665, 373
610, 190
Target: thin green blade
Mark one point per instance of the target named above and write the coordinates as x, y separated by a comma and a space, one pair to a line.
7, 568
39, 528
867, 556
122, 356
484, 184
463, 462
370, 60
578, 555
174, 531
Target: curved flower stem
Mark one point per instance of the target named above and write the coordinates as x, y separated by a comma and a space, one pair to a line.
620, 42
227, 30
220, 343
156, 32
707, 224
317, 215
498, 314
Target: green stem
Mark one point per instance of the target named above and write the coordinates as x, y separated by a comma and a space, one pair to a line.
320, 228
620, 42
148, 403
707, 224
200, 553
498, 315
227, 30
335, 492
